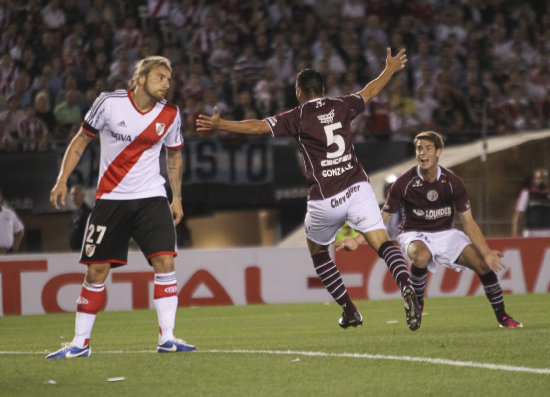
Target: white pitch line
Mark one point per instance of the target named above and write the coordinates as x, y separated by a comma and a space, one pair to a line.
437, 361
440, 361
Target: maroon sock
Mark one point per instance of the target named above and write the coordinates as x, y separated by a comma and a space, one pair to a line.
493, 293
396, 263
418, 278
331, 278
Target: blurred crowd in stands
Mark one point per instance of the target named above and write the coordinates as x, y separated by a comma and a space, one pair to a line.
474, 65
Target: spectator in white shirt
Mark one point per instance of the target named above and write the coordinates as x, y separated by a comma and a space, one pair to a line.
11, 229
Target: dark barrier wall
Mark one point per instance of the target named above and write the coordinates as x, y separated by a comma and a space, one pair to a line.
26, 180
218, 174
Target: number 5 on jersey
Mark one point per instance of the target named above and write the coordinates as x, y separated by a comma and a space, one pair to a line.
337, 139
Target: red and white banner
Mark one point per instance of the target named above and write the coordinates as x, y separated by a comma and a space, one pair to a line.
50, 283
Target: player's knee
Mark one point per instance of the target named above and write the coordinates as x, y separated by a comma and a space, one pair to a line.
163, 263
97, 272
419, 255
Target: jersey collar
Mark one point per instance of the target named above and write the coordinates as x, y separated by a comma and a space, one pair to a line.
421, 177
311, 100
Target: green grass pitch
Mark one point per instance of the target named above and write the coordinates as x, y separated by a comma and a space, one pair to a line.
289, 350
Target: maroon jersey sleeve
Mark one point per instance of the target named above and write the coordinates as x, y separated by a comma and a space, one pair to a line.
460, 196
395, 196
355, 102
286, 123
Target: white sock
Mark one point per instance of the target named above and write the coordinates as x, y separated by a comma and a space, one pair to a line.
83, 328
166, 305
166, 312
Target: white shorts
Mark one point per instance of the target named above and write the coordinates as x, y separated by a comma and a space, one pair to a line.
445, 246
356, 206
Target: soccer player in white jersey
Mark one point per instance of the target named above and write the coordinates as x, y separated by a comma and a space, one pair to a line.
339, 189
429, 196
131, 200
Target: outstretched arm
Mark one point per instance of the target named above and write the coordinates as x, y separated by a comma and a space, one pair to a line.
393, 64
472, 230
215, 122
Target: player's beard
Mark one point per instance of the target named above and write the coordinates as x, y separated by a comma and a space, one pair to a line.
158, 95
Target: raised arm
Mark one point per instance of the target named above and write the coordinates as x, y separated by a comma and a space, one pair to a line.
174, 165
393, 64
70, 160
472, 230
215, 122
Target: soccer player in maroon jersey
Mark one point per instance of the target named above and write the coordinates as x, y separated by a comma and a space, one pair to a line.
339, 189
133, 125
430, 195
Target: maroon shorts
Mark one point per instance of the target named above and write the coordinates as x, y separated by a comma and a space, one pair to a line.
113, 223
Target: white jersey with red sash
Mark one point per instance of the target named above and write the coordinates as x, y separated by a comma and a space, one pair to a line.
131, 142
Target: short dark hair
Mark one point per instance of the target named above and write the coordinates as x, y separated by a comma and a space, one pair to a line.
431, 136
311, 82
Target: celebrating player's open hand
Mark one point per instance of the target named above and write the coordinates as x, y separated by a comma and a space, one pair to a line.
396, 63
206, 123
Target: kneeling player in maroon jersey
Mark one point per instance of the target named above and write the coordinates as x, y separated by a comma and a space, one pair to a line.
429, 196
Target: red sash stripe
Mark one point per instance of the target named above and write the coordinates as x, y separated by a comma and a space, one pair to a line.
126, 159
